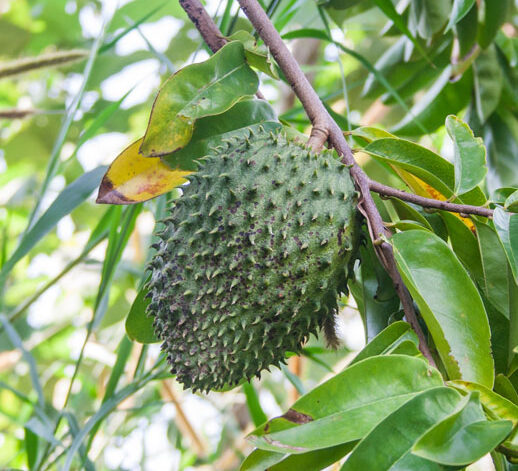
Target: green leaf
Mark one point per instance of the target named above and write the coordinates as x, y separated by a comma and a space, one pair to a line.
210, 131
467, 30
257, 56
498, 407
470, 155
407, 212
387, 340
139, 326
345, 408
387, 7
441, 99
423, 163
464, 244
374, 293
464, 437
449, 303
259, 460
31, 447
198, 90
254, 406
71, 197
505, 388
497, 248
428, 18
460, 10
400, 430
511, 203
487, 82
495, 13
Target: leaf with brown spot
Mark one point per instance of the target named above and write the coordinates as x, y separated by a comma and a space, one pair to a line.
132, 178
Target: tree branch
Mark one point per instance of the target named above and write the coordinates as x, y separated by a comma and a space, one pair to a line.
321, 120
429, 202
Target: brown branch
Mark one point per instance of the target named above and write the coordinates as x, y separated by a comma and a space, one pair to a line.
318, 115
384, 190
321, 120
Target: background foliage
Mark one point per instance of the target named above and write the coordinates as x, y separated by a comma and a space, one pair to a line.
76, 393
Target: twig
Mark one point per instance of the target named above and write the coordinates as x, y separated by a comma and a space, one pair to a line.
429, 202
320, 119
318, 115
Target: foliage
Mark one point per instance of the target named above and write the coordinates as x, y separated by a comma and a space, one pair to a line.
438, 79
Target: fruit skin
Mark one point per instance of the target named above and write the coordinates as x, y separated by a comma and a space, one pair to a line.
251, 259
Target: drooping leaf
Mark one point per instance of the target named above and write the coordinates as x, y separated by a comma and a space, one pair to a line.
345, 408
464, 437
464, 244
428, 18
198, 90
257, 56
132, 178
424, 164
254, 406
440, 100
487, 82
470, 156
467, 29
387, 7
495, 14
399, 432
494, 263
71, 197
139, 326
211, 131
506, 225
505, 388
449, 303
460, 10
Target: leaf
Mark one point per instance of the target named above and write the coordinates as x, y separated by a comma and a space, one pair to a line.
257, 56
139, 326
441, 99
132, 178
198, 90
495, 283
424, 164
469, 158
464, 437
506, 225
387, 340
505, 388
449, 303
464, 244
511, 203
467, 30
460, 10
495, 13
497, 406
254, 406
388, 8
260, 460
400, 430
346, 407
428, 18
71, 197
211, 131
487, 82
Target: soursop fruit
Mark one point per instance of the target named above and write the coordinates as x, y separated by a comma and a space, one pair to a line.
251, 259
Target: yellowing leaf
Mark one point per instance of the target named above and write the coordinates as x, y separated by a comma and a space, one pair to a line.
133, 178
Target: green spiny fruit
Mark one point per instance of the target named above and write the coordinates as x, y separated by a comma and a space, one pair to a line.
251, 259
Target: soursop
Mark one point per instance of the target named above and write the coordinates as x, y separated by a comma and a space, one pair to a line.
251, 259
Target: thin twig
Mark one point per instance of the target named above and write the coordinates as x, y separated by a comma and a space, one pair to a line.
320, 119
429, 202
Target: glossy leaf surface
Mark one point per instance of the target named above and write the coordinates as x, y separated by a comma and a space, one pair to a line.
450, 304
470, 155
198, 90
